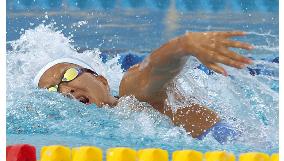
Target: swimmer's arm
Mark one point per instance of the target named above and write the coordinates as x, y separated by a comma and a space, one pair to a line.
148, 80
195, 119
211, 48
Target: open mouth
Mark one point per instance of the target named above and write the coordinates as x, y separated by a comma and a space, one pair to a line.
84, 100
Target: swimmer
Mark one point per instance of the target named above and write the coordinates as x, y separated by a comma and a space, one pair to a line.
148, 80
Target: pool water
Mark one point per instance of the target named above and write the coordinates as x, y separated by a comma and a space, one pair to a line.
112, 40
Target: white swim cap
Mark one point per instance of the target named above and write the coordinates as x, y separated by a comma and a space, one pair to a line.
57, 61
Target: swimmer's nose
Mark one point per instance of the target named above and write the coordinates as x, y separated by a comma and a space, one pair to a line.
69, 95
82, 99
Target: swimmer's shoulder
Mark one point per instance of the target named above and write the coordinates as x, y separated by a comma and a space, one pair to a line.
134, 82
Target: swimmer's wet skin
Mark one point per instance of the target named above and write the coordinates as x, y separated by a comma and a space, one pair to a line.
154, 73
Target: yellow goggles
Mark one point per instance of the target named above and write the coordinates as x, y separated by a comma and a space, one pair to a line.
69, 75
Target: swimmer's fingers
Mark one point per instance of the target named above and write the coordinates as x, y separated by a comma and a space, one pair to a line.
228, 53
218, 56
228, 34
217, 68
235, 56
228, 61
237, 44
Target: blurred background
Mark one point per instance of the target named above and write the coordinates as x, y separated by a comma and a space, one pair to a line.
180, 5
139, 25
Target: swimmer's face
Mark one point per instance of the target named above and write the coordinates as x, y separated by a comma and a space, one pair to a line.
86, 88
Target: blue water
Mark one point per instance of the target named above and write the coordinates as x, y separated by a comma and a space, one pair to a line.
113, 35
181, 5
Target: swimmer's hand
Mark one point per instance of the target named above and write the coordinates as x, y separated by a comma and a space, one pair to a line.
212, 48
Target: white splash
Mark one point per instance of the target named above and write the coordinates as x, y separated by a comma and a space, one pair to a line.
38, 46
